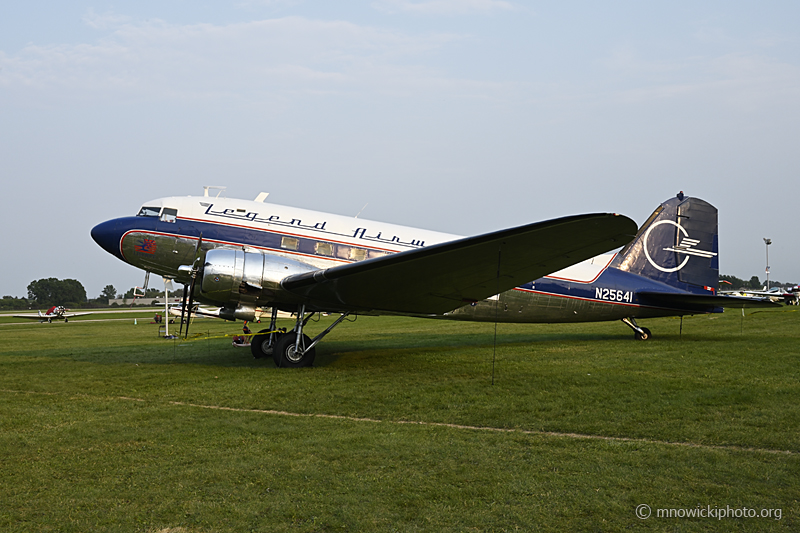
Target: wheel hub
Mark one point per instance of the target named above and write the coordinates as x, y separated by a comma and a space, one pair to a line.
292, 354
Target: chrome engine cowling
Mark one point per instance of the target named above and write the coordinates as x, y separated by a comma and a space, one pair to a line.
240, 281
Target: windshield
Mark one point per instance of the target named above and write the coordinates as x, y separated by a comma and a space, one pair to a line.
148, 211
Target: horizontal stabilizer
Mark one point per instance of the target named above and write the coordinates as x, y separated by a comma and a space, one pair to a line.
439, 278
701, 303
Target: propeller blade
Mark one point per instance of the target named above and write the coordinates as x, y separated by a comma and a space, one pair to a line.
183, 310
197, 251
191, 303
195, 270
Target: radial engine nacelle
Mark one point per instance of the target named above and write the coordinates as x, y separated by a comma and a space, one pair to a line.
240, 281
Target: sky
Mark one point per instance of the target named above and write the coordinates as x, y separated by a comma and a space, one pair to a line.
461, 116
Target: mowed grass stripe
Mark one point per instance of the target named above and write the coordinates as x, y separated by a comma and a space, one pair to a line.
554, 434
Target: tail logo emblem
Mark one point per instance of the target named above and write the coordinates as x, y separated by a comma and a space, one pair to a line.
686, 247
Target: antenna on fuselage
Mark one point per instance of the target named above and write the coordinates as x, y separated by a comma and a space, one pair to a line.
365, 206
219, 189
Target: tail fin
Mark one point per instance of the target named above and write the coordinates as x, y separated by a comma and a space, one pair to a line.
678, 245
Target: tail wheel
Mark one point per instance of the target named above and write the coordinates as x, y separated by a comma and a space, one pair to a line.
286, 356
644, 335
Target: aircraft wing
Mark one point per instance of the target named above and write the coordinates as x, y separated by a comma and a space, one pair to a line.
200, 311
53, 316
442, 277
701, 302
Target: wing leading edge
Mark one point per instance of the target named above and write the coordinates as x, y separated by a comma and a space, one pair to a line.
439, 278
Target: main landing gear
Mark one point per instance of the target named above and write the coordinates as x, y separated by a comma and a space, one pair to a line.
641, 334
292, 349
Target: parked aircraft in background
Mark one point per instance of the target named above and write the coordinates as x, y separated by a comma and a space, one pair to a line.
57, 312
789, 296
241, 255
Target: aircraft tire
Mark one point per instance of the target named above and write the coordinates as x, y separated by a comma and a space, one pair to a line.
259, 345
645, 336
284, 355
275, 358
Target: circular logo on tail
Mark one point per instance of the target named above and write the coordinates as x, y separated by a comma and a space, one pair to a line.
647, 254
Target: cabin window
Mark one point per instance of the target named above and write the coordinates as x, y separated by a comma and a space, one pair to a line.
148, 212
358, 254
169, 214
324, 248
290, 243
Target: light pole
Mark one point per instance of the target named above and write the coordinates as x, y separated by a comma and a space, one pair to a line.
767, 242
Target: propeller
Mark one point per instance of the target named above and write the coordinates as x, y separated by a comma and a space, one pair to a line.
183, 310
195, 269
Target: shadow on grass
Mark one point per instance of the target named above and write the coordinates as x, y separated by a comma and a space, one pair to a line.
375, 340
388, 346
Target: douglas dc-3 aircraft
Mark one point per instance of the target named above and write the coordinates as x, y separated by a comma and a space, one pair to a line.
240, 255
57, 312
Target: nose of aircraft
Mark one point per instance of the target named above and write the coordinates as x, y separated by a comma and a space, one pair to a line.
107, 235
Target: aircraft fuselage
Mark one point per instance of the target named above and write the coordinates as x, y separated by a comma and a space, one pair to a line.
165, 235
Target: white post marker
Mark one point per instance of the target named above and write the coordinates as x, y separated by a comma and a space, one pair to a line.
167, 288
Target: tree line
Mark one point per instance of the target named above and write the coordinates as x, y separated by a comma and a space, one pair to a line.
753, 283
47, 292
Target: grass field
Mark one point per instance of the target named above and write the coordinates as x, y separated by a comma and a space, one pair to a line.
398, 427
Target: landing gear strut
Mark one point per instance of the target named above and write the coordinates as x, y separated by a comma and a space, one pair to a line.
641, 334
292, 349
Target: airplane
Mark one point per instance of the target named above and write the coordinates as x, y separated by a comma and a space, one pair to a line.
57, 312
240, 255
790, 296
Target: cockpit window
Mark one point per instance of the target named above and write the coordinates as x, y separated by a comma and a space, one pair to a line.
148, 211
169, 214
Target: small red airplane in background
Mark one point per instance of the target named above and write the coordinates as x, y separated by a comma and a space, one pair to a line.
57, 312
